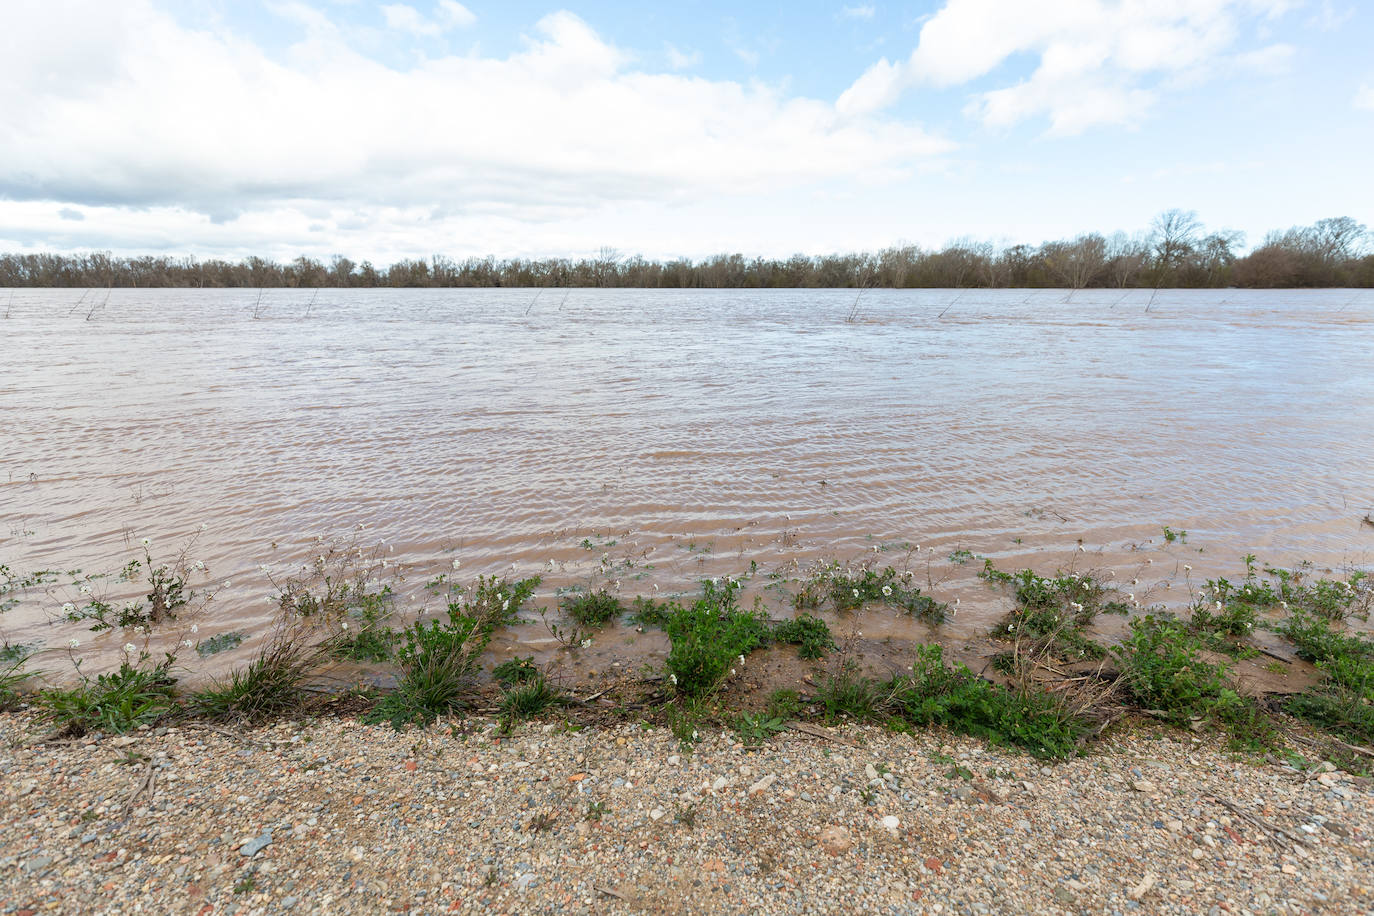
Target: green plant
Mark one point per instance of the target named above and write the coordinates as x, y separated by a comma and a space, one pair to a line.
274, 682
954, 697
220, 642
848, 589
365, 637
117, 701
1053, 611
810, 634
783, 704
439, 661
754, 729
591, 609
516, 671
1342, 711
12, 677
709, 638
1165, 671
527, 699
848, 694
596, 810
1171, 535
960, 555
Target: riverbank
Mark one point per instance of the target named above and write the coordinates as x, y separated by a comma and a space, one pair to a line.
330, 815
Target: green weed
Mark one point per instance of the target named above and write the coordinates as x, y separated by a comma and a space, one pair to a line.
809, 634
592, 609
709, 638
118, 701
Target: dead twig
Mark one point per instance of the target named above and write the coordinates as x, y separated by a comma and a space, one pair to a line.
1273, 831
146, 783
816, 731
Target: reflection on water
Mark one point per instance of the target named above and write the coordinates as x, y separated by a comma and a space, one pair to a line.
699, 430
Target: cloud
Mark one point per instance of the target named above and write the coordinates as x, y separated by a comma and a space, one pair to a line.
1364, 98
1098, 62
120, 110
68, 213
681, 60
865, 11
449, 15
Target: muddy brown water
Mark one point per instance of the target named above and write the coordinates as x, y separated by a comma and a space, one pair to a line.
649, 439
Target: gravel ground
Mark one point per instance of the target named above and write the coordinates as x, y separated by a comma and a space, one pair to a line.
331, 816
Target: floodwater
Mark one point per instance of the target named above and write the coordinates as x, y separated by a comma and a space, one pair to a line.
654, 438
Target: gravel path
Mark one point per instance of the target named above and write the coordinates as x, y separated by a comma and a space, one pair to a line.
331, 816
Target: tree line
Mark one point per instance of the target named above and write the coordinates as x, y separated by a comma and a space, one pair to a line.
1176, 251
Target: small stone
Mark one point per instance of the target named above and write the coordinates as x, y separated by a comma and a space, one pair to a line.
674, 760
1143, 888
720, 783
762, 785
656, 814
1198, 854
1062, 895
891, 822
870, 771
836, 840
256, 845
1142, 785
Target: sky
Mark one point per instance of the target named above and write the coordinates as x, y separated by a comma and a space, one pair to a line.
528, 129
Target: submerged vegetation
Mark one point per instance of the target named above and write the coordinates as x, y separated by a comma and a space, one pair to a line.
1056, 684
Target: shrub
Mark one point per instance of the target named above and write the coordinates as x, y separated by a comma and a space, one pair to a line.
809, 634
848, 694
708, 638
117, 701
1342, 711
591, 609
12, 676
1346, 659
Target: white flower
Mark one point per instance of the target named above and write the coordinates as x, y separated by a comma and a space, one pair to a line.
1135, 581
456, 564
130, 648
586, 643
146, 542
68, 608
856, 593
187, 643
887, 591
732, 672
1075, 605
1187, 568
672, 678
1130, 596
1284, 605
226, 584
85, 589
695, 736
195, 628
1218, 605
344, 624
73, 643
741, 660
200, 564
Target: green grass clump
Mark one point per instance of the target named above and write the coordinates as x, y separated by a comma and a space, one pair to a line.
1341, 711
754, 729
1164, 670
12, 676
274, 683
440, 660
527, 699
809, 634
708, 637
591, 609
847, 694
1035, 721
118, 701
1346, 659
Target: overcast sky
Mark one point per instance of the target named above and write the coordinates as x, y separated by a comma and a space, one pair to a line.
388, 130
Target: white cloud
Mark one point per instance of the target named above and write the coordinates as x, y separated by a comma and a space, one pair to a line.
455, 15
681, 60
1364, 98
448, 15
1270, 60
1096, 58
864, 11
151, 127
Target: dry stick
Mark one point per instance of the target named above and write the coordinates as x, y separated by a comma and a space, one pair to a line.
1274, 829
311, 304
854, 309
952, 303
9, 305
566, 293
817, 732
78, 302
101, 306
1152, 299
145, 784
256, 312
534, 300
